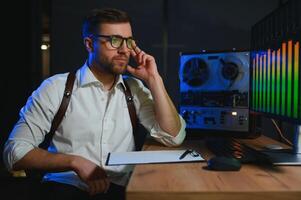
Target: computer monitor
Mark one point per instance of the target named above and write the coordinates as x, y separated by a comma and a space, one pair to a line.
214, 93
275, 73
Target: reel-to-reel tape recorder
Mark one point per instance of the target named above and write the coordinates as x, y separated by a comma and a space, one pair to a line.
214, 89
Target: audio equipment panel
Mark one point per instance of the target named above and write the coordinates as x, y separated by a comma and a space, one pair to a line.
214, 90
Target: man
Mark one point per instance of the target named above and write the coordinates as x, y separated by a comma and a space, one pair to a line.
97, 120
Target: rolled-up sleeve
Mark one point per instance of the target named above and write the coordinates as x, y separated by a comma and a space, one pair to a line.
33, 124
14, 150
145, 110
167, 139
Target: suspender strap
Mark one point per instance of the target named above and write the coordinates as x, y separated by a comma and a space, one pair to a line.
132, 111
131, 106
61, 111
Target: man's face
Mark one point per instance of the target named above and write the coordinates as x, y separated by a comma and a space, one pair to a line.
112, 60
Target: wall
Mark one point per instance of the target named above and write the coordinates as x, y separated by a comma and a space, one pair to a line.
20, 68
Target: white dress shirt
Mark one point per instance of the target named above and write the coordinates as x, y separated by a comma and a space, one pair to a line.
96, 122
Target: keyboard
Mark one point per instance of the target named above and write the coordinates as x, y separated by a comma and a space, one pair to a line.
233, 148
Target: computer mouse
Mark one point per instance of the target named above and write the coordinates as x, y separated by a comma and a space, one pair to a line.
221, 163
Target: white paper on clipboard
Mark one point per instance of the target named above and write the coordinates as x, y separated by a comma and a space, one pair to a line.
148, 157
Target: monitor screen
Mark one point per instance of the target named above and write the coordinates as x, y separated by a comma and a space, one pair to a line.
275, 74
214, 91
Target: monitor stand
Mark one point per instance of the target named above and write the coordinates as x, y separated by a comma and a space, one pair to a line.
288, 158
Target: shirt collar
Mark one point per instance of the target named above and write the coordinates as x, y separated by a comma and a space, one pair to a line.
87, 77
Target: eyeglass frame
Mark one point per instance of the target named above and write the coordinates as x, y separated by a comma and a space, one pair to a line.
110, 39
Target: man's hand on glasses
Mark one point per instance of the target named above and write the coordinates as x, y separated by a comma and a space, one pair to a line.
147, 67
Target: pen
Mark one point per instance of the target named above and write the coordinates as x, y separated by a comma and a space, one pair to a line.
185, 153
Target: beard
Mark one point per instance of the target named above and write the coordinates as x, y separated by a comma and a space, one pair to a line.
116, 66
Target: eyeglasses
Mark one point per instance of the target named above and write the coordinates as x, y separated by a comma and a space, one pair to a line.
116, 41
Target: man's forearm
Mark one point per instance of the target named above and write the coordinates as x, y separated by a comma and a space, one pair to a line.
41, 159
165, 111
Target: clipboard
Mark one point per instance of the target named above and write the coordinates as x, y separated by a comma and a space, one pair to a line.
151, 157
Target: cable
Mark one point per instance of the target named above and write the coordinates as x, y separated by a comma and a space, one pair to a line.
280, 133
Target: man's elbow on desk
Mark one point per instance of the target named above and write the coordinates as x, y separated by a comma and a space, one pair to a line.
169, 140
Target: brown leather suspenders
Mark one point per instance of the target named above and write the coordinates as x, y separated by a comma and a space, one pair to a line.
132, 111
38, 174
61, 111
130, 102
65, 102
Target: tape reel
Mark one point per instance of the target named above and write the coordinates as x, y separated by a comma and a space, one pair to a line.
214, 71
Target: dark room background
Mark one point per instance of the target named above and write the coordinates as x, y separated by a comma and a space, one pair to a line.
163, 28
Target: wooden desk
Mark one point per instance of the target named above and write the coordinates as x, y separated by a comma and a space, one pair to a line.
190, 181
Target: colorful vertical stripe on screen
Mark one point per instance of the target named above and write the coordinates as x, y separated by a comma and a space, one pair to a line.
268, 89
296, 80
260, 83
253, 82
273, 83
289, 78
264, 82
278, 83
283, 79
257, 82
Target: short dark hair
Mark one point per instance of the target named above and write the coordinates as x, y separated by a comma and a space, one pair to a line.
105, 15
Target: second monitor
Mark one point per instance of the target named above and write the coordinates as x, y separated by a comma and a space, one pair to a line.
214, 89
